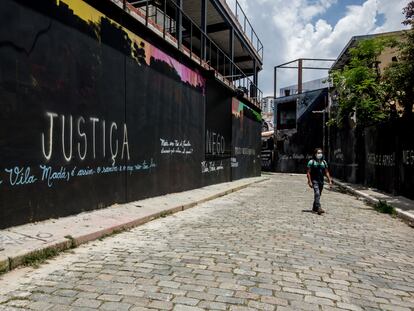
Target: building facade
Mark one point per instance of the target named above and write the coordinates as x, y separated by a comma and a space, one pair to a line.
111, 101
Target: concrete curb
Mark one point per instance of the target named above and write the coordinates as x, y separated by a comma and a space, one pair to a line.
69, 242
400, 213
4, 264
53, 248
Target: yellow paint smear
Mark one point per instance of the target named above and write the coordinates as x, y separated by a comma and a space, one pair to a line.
89, 14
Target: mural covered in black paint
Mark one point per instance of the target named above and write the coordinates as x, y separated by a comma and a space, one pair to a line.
246, 137
379, 156
91, 114
218, 140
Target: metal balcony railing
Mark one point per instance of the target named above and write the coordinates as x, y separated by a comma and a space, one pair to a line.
161, 16
246, 26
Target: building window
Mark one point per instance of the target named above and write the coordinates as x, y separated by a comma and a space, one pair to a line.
286, 115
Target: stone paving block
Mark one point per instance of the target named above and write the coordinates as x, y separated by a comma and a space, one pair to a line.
185, 301
40, 305
186, 308
18, 303
59, 307
115, 306
320, 301
66, 293
211, 305
274, 301
161, 305
108, 297
261, 306
201, 295
261, 291
394, 308
220, 292
348, 306
169, 284
301, 305
230, 300
85, 302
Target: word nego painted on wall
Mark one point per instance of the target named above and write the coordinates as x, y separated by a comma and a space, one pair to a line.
215, 143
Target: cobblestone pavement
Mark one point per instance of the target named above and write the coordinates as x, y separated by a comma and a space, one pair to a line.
256, 249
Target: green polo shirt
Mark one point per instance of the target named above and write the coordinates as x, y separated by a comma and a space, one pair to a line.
317, 170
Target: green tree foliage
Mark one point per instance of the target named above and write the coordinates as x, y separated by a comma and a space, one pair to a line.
364, 92
400, 75
359, 87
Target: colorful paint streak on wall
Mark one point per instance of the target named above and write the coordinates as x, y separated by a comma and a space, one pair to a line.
239, 109
246, 141
89, 14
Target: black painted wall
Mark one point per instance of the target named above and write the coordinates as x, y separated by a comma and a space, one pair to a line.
380, 156
218, 139
90, 117
343, 142
389, 161
246, 136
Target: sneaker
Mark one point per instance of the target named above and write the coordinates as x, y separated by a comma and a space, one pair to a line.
320, 211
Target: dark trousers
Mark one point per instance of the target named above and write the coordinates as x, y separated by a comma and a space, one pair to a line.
317, 190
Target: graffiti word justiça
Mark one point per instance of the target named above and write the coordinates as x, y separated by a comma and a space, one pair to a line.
78, 138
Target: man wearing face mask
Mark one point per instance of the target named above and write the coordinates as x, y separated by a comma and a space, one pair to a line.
316, 171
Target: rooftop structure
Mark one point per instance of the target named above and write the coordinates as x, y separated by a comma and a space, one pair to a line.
344, 57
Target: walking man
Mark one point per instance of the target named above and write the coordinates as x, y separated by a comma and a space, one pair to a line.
316, 171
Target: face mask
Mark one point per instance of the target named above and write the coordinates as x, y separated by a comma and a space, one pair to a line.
319, 156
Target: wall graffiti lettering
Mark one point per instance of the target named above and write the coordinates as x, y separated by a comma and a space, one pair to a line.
215, 143
20, 176
234, 163
211, 166
244, 151
294, 156
338, 155
86, 130
266, 158
381, 159
408, 157
176, 146
49, 176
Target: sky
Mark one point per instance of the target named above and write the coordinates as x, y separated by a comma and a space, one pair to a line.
291, 29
